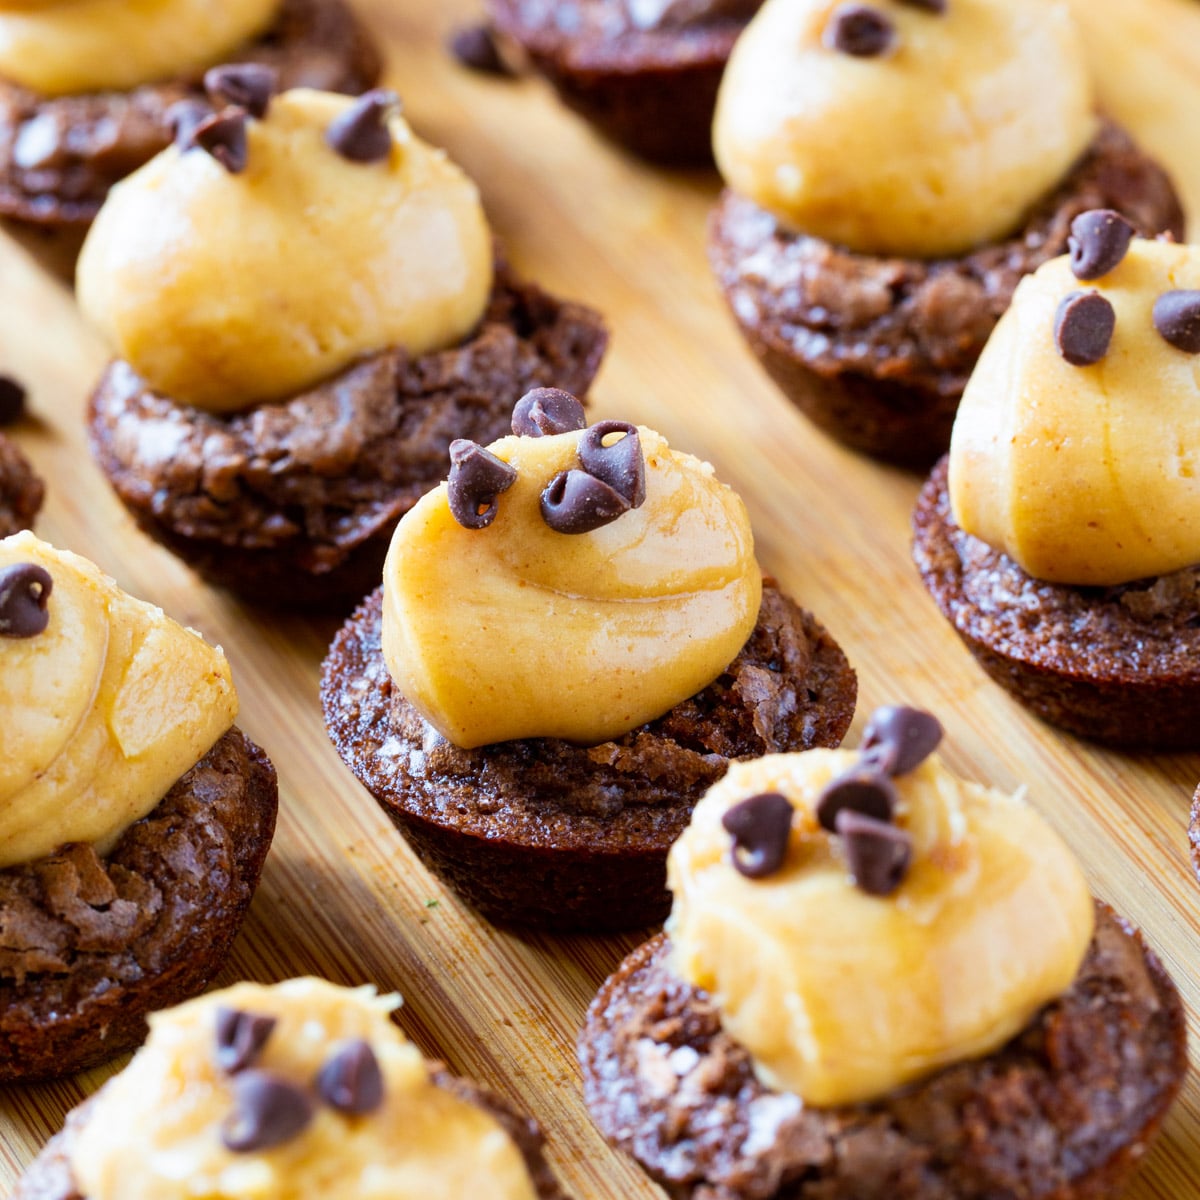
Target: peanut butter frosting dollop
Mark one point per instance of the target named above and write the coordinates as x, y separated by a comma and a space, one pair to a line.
61, 47
841, 996
100, 712
155, 1131
224, 290
517, 630
1086, 475
939, 143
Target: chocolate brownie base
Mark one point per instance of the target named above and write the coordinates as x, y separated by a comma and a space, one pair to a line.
877, 351
649, 83
21, 491
1065, 1111
60, 155
1120, 665
293, 504
89, 946
50, 1177
545, 833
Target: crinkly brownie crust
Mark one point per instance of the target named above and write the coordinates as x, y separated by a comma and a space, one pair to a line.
294, 503
89, 946
21, 491
1120, 665
60, 155
1065, 1111
646, 74
542, 832
877, 351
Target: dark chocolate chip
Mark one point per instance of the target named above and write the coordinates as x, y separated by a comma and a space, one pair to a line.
475, 47
268, 1110
576, 502
862, 790
1083, 328
477, 477
760, 827
184, 117
1099, 241
1177, 318
246, 85
860, 30
223, 135
351, 1080
878, 854
620, 464
12, 401
547, 411
24, 596
361, 133
898, 740
241, 1037
933, 6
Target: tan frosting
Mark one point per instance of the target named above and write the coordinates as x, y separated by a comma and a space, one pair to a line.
518, 631
101, 713
58, 47
226, 290
939, 146
1085, 475
840, 996
153, 1133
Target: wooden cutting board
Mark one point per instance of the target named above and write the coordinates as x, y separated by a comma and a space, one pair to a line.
342, 895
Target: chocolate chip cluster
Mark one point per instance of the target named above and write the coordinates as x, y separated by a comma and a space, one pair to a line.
24, 599
864, 31
268, 1109
609, 481
859, 807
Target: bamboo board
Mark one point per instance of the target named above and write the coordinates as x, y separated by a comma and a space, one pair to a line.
342, 895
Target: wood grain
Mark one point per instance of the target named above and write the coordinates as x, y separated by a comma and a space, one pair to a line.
342, 896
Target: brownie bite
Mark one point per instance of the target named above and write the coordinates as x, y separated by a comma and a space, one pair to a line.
645, 74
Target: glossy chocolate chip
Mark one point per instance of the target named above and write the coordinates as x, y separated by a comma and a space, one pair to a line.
545, 412
24, 598
475, 48
862, 790
1177, 319
620, 463
1083, 328
183, 118
223, 135
477, 477
241, 1037
860, 30
12, 400
898, 740
760, 827
1099, 241
351, 1080
246, 85
576, 502
361, 133
268, 1110
878, 854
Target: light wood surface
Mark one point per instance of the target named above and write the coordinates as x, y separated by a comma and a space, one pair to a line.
342, 895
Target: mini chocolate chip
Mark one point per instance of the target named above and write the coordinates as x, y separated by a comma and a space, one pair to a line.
223, 135
241, 1037
1177, 318
863, 790
351, 1080
24, 595
475, 47
247, 85
361, 133
268, 1110
898, 740
1083, 328
1099, 241
760, 827
933, 6
620, 464
547, 411
477, 477
183, 118
860, 30
877, 854
576, 502
12, 401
